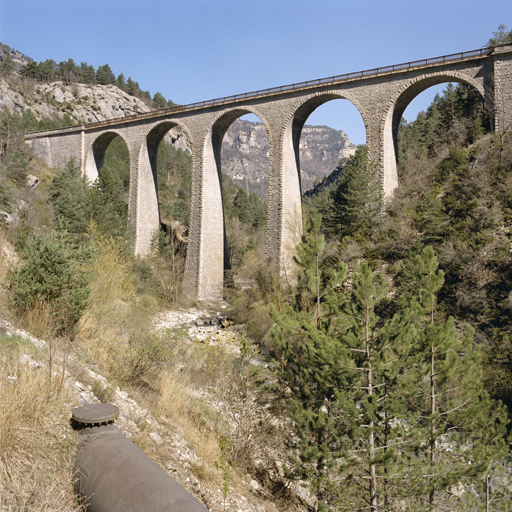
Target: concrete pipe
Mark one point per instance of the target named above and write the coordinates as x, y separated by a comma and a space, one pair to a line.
113, 475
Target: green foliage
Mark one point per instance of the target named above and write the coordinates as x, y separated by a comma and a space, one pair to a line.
14, 154
500, 36
457, 117
249, 208
49, 277
393, 403
144, 355
356, 200
107, 195
69, 196
105, 76
174, 183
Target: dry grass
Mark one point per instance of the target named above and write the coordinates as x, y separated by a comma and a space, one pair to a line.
177, 405
36, 442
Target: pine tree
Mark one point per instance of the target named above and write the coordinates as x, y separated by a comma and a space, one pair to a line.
108, 208
357, 199
375, 473
452, 398
69, 197
344, 379
49, 277
309, 254
159, 101
105, 76
310, 364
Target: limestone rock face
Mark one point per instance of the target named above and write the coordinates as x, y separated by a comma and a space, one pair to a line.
245, 154
82, 103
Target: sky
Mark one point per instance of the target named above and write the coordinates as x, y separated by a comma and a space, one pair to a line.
195, 50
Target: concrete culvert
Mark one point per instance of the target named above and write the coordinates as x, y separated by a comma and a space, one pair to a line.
113, 475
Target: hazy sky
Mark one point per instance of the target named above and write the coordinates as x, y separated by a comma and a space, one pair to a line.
194, 50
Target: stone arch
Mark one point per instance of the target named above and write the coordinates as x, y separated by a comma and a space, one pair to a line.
144, 208
212, 249
307, 106
95, 154
287, 201
393, 114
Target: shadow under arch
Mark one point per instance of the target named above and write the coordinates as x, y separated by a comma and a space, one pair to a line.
213, 258
95, 155
145, 211
396, 108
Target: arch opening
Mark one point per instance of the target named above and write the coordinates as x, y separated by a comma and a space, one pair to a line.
163, 202
95, 157
108, 170
334, 128
229, 200
439, 111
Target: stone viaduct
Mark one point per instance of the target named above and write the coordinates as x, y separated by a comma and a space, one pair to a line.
381, 96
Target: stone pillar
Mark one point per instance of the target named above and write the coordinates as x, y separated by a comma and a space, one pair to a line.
204, 269
144, 212
284, 217
503, 89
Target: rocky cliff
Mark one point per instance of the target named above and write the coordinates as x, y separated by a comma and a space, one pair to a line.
245, 153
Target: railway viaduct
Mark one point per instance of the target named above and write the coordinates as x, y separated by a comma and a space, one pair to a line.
381, 96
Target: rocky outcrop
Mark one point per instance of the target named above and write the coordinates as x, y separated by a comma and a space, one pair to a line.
245, 153
82, 103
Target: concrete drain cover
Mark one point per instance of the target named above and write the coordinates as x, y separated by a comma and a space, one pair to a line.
94, 415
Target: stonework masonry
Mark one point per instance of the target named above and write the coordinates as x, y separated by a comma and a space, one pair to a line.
381, 96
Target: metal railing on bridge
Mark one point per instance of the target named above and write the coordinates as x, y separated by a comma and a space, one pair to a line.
291, 87
334, 79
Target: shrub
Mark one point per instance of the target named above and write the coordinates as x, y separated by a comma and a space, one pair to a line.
48, 279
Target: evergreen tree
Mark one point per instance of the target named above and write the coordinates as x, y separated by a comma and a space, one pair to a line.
6, 66
69, 197
132, 87
309, 253
357, 199
87, 73
108, 206
105, 76
68, 71
376, 455
452, 399
47, 70
159, 102
121, 82
310, 366
49, 277
500, 36
344, 377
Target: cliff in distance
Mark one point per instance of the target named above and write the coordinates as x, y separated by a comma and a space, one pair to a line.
245, 154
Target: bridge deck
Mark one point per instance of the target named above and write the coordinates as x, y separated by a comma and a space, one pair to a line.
276, 91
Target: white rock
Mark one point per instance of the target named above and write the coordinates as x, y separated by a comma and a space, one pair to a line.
157, 438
